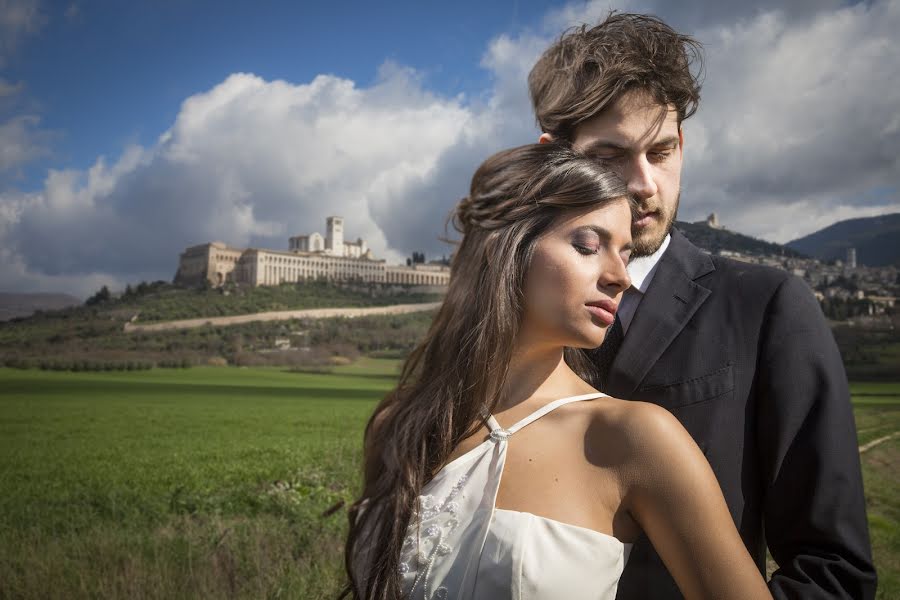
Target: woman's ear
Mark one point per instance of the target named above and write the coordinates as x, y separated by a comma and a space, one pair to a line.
545, 138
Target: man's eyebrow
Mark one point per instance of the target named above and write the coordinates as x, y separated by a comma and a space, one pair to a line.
672, 140
598, 145
601, 145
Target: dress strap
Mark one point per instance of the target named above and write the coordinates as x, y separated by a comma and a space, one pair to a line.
498, 432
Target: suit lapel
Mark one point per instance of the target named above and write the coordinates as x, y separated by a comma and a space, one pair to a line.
670, 301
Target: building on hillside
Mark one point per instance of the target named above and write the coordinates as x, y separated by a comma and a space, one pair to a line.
308, 257
332, 244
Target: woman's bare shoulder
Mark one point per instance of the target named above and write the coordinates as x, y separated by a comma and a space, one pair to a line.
642, 432
643, 423
635, 420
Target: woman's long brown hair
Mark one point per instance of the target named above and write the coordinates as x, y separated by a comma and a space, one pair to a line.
462, 363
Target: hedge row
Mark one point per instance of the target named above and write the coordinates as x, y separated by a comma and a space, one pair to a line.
49, 364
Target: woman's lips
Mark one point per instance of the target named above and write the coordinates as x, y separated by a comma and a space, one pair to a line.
604, 310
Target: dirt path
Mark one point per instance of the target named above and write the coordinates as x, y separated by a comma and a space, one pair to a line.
875, 442
281, 315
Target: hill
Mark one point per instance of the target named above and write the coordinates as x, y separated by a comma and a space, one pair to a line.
92, 336
876, 239
22, 305
713, 240
162, 301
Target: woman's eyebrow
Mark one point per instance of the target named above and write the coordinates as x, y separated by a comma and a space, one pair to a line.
602, 233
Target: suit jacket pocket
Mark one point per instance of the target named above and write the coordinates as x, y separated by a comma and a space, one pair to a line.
690, 390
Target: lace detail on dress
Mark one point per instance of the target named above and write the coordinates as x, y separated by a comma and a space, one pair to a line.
440, 517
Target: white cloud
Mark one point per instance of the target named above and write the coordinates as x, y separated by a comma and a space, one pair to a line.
685, 15
805, 216
798, 122
251, 162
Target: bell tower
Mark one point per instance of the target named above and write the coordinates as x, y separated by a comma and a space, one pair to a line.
334, 235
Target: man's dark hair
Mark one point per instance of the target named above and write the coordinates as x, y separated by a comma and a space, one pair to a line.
588, 69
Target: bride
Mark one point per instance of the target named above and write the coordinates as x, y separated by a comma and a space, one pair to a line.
495, 469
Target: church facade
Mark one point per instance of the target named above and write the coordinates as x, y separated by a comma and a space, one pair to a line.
308, 257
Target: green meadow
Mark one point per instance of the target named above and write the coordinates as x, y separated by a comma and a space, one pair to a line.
233, 482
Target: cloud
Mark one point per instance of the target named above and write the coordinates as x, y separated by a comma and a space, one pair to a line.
686, 15
798, 121
8, 90
18, 20
73, 11
252, 162
798, 116
21, 141
796, 129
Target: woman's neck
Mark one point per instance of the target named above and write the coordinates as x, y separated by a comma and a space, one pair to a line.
539, 374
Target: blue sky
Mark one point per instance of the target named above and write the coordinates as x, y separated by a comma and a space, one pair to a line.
130, 130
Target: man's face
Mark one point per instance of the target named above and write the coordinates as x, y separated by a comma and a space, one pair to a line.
640, 140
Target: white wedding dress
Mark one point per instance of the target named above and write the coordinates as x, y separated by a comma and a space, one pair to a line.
460, 546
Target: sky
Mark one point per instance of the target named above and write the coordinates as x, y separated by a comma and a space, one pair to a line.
131, 130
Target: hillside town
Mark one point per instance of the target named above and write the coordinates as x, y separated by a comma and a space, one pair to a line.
844, 288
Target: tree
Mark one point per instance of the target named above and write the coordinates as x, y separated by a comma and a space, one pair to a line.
101, 297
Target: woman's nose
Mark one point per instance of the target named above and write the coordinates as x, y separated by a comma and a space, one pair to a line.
616, 276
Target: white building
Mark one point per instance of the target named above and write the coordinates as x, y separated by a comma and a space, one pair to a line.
308, 257
332, 244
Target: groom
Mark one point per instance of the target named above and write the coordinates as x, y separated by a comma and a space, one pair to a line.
739, 353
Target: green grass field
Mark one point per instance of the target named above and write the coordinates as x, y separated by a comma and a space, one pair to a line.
212, 482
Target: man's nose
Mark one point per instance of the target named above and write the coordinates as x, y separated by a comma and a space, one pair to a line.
640, 179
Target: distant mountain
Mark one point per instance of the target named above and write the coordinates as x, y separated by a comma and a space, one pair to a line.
876, 239
713, 240
23, 305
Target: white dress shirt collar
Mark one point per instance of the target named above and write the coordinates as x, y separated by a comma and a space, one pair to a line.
642, 269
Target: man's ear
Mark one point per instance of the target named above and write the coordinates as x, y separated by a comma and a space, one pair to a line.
545, 138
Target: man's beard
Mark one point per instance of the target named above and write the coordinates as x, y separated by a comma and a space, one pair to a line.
645, 246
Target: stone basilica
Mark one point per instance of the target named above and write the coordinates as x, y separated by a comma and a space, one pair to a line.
307, 257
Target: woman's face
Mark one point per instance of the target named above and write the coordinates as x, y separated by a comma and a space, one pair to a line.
577, 276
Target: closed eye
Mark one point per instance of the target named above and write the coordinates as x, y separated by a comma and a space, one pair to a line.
661, 153
584, 250
607, 158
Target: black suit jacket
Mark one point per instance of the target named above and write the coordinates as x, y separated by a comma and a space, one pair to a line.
742, 356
